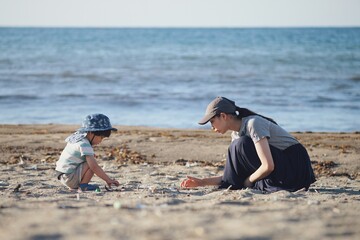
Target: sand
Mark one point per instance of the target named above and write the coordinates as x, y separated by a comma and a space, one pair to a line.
149, 204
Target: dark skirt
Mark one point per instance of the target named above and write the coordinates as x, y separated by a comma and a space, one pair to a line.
292, 170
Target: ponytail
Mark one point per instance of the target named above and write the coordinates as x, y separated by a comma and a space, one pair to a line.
244, 112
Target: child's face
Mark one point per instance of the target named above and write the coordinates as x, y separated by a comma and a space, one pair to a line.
95, 140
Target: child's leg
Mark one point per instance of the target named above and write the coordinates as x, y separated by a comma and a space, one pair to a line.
86, 174
72, 180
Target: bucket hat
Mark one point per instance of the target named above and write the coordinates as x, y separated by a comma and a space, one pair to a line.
96, 122
217, 106
91, 123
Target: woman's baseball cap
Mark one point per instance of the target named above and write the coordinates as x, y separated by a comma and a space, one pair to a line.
217, 106
91, 123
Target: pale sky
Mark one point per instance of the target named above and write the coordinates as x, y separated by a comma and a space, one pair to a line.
179, 13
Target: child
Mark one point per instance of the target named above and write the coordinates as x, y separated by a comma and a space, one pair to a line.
262, 155
77, 164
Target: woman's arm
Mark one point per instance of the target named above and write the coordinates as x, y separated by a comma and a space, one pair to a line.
191, 182
267, 163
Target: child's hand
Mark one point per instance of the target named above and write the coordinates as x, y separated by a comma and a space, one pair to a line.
191, 182
112, 182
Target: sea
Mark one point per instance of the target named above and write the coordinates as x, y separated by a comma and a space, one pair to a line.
306, 79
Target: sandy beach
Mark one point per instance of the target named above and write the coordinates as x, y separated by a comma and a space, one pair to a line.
150, 163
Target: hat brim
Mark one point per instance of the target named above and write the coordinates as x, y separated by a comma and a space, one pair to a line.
206, 119
95, 130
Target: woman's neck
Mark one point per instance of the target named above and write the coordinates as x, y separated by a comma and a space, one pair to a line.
235, 125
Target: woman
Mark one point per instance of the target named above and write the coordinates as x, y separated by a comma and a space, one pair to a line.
262, 155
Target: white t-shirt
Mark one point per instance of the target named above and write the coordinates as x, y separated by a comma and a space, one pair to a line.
73, 155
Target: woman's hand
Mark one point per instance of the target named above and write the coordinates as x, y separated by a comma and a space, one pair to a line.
191, 182
247, 183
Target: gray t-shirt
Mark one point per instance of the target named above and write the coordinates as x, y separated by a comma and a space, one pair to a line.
257, 127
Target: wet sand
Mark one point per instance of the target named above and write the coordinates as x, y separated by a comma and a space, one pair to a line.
150, 163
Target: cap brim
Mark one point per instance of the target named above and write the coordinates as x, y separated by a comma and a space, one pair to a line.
206, 119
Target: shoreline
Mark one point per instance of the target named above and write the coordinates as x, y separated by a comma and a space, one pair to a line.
73, 127
149, 204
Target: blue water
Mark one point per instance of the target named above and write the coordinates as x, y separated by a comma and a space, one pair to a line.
307, 79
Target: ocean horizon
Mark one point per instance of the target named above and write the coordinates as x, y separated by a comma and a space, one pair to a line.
307, 79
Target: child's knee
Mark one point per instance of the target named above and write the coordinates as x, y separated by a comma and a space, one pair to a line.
86, 168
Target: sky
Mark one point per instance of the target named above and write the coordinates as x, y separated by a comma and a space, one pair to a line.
180, 13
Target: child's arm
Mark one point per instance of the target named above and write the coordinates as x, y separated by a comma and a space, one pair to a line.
94, 166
